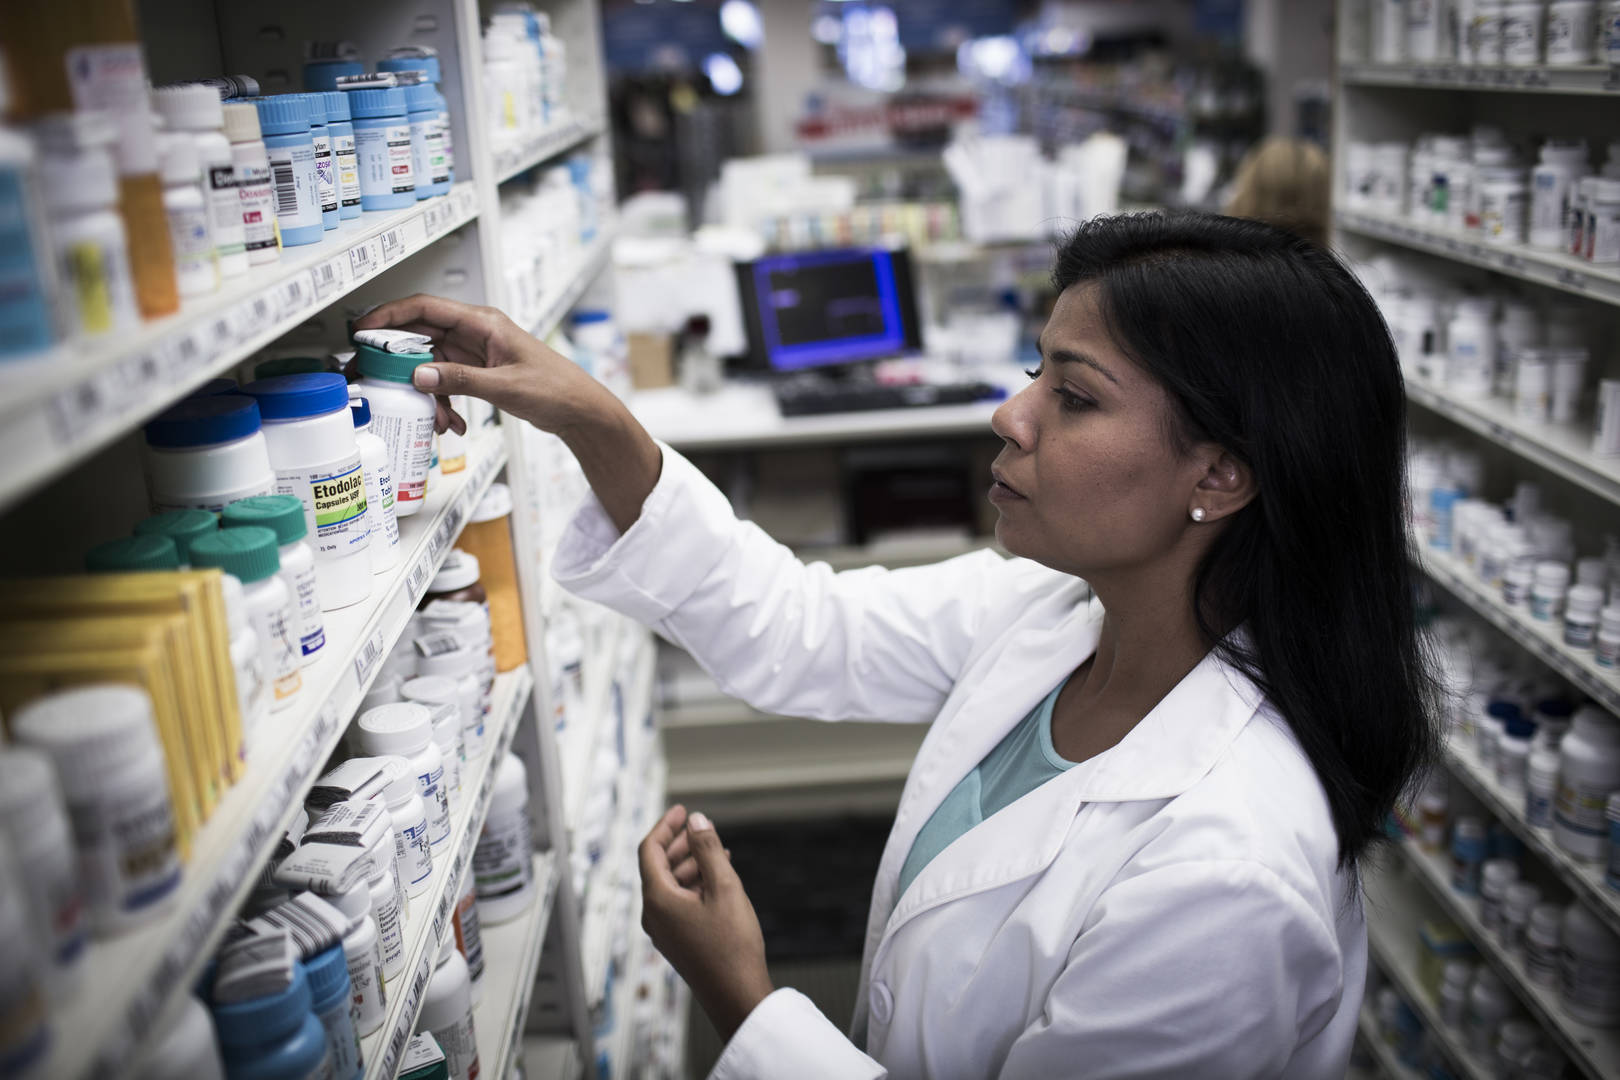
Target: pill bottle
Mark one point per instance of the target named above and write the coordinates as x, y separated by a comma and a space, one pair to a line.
1519, 900
446, 624
1606, 425
1562, 163
503, 862
104, 743
381, 524
1489, 1004
447, 1012
1504, 204
1484, 31
91, 247
1581, 606
1588, 772
428, 161
424, 59
1431, 810
345, 163
1548, 592
382, 145
284, 516
1608, 639
196, 111
1612, 869
1571, 28
275, 1037
1513, 754
457, 579
1580, 204
132, 554
412, 846
326, 181
1568, 376
402, 417
331, 1002
405, 730
1541, 786
255, 187
1495, 877
443, 700
25, 1028
362, 953
310, 433
181, 526
469, 932
1515, 1039
463, 665
1457, 977
388, 901
1589, 969
284, 123
1471, 348
1541, 937
1608, 33
1521, 34
323, 74
1532, 387
247, 659
184, 1046
196, 266
1467, 854
1601, 233
33, 817
250, 554
1516, 582
206, 452
488, 537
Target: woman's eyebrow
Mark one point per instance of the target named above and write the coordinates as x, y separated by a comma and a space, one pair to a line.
1065, 356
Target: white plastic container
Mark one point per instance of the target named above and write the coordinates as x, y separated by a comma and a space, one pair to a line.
1608, 36
503, 862
284, 516
197, 111
412, 846
1513, 757
1568, 378
1571, 30
255, 191
401, 415
463, 665
104, 743
250, 555
186, 1046
206, 452
1589, 972
470, 933
381, 524
1456, 978
92, 249
1607, 653
1588, 772
1489, 1004
1517, 580
1532, 387
310, 432
1471, 349
247, 659
1486, 32
1541, 938
405, 730
1504, 205
196, 267
1602, 223
1581, 606
1562, 164
362, 950
447, 1012
33, 817
1541, 786
1606, 426
1519, 901
1495, 878
443, 701
1548, 592
1521, 34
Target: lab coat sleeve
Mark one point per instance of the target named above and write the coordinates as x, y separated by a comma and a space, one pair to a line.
787, 1038
1211, 968
784, 636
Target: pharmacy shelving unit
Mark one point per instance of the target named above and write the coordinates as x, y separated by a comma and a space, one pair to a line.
70, 437
1376, 102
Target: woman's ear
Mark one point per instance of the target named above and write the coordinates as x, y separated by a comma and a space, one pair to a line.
1226, 486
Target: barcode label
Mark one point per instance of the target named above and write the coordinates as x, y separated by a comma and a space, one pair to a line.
139, 374
437, 644
402, 1034
327, 278
430, 220
253, 318
369, 655
307, 925
393, 246
417, 582
361, 260
292, 297
281, 178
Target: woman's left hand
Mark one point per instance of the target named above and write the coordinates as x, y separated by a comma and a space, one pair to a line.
694, 909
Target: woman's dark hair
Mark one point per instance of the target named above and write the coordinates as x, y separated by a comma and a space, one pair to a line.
1271, 348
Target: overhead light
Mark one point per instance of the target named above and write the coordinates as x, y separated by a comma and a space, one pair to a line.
724, 74
741, 22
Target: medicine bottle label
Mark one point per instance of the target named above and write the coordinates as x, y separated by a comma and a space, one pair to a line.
292, 176
107, 78
126, 848
311, 629
215, 501
325, 174
368, 997
390, 940
193, 245
410, 447
1587, 982
279, 640
1581, 809
342, 1044
449, 142
435, 162
380, 498
384, 155
224, 209
431, 785
93, 272
460, 1048
348, 170
258, 204
469, 936
413, 850
503, 861
334, 498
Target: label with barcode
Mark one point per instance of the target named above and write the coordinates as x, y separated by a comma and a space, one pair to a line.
281, 179
420, 573
369, 655
292, 297
438, 644
312, 929
253, 318
361, 260
393, 245
327, 278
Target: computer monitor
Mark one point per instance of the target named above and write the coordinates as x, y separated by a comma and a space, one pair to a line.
815, 309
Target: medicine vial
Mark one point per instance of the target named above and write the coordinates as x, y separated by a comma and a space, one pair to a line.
463, 665
362, 952
205, 453
247, 660
503, 862
326, 181
197, 111
35, 822
382, 143
255, 191
469, 932
382, 524
401, 415
332, 1003
442, 698
284, 123
196, 271
345, 163
447, 1012
425, 59
405, 730
91, 246
1588, 772
284, 516
250, 555
412, 845
428, 160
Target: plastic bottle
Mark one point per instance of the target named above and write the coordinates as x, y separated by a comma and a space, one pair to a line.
1495, 877
196, 112
1521, 34
1563, 162
1548, 593
1581, 606
1541, 937
331, 1002
1532, 386
447, 1012
310, 433
381, 524
247, 659
345, 162
276, 1037
284, 123
412, 846
463, 665
255, 189
1504, 204
470, 932
27, 276
185, 1046
441, 696
1541, 786
1467, 854
1601, 235
1519, 900
326, 178
382, 143
402, 417
25, 1029
503, 862
426, 60
1571, 28
284, 516
1589, 969
1489, 1004
1456, 978
103, 741
250, 555
405, 730
1588, 771
1513, 754
33, 817
362, 953
205, 453
428, 161
91, 246
1516, 1039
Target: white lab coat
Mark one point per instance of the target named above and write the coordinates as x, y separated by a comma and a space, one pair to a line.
1170, 908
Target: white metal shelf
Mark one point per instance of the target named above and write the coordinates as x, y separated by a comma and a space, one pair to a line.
130, 979
1595, 1051
544, 313
1390, 1066
57, 409
1598, 79
551, 1057
429, 915
512, 160
511, 957
1549, 268
576, 743
1584, 879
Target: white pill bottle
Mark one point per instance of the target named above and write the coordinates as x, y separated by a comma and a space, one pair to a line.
401, 415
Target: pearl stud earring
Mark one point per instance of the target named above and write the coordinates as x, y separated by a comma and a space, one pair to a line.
1198, 513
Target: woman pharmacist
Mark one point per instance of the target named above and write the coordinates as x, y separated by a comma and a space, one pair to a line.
1128, 845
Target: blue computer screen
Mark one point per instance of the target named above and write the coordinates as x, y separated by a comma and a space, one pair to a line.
828, 307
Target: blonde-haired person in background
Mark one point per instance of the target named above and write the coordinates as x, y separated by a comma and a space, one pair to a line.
1284, 182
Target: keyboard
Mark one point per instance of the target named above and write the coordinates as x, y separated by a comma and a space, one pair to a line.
805, 397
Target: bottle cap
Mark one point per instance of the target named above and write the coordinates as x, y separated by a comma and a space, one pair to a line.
429, 690
399, 729
337, 107
132, 554
181, 526
316, 104
453, 664
390, 367
28, 787
496, 503
242, 122
249, 552
281, 514
189, 107
251, 1023
413, 58
388, 101
324, 74
589, 315
79, 181
328, 973
459, 570
88, 731
222, 385
294, 397
177, 158
204, 421
422, 97
401, 785
360, 409
283, 114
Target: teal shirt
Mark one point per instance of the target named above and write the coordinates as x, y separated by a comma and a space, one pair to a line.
1021, 762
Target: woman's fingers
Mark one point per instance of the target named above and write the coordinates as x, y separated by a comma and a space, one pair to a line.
421, 309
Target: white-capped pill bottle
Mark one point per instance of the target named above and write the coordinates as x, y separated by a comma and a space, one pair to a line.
1568, 378
247, 659
197, 111
1562, 164
91, 246
412, 845
1521, 34
1485, 30
1471, 348
310, 433
1548, 592
1607, 652
1541, 786
1541, 936
362, 950
463, 665
503, 862
1589, 971
1532, 385
205, 453
1504, 204
381, 523
1522, 898
1571, 32
185, 1045
33, 816
405, 730
104, 743
255, 190
447, 1012
443, 700
470, 931
1581, 606
250, 555
284, 516
1495, 877
196, 264
402, 417
1588, 773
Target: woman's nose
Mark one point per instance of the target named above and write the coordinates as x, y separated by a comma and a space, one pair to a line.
1012, 422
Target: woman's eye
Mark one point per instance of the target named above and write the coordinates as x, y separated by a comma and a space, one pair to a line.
1073, 402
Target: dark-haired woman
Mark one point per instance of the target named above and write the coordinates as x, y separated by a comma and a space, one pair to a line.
1162, 736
